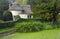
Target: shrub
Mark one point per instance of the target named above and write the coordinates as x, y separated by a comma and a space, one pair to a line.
1, 21
56, 25
32, 26
28, 26
47, 26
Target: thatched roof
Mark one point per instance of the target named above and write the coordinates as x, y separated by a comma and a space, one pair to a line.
17, 7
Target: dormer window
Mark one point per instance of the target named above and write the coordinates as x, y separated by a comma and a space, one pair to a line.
10, 4
23, 11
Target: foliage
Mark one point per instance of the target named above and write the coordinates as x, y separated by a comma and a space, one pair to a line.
41, 7
1, 21
3, 6
32, 26
17, 17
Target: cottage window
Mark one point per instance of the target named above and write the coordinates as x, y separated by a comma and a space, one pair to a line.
23, 11
29, 16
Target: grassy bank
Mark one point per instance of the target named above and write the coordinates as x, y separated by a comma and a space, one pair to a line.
46, 34
5, 29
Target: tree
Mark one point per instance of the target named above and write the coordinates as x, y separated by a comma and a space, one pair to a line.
3, 6
41, 7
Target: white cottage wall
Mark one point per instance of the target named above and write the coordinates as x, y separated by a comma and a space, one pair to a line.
16, 12
24, 16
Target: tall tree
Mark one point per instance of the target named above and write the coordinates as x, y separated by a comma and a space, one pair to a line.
55, 12
45, 6
3, 7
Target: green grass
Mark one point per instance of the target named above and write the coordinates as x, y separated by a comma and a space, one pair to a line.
46, 34
5, 29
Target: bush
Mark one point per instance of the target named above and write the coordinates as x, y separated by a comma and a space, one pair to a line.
47, 26
56, 25
32, 26
27, 26
1, 21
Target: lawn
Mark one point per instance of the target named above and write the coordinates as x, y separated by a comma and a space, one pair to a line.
45, 34
5, 29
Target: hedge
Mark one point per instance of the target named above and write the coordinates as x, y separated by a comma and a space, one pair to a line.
32, 26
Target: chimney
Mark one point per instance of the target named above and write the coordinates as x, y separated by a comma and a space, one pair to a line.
10, 5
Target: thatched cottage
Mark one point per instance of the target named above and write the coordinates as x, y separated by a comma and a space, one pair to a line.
23, 11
